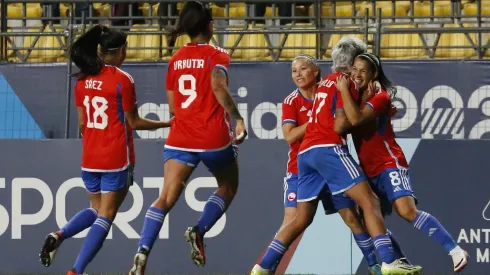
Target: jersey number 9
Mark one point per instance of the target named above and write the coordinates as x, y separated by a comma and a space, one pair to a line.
190, 92
100, 118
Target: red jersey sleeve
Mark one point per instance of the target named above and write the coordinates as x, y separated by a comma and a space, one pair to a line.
220, 60
128, 92
169, 80
379, 102
78, 94
289, 114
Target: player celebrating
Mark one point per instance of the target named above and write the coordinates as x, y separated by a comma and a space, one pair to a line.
381, 157
197, 89
324, 160
107, 114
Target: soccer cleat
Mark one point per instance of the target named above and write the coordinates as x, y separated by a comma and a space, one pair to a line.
258, 270
460, 258
71, 272
48, 252
139, 263
194, 239
398, 267
375, 269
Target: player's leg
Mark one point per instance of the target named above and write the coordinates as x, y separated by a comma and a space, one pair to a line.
290, 199
81, 221
344, 175
347, 209
176, 171
397, 182
386, 210
310, 186
114, 187
224, 166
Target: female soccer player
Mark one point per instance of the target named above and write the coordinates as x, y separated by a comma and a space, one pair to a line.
324, 162
197, 90
107, 114
381, 157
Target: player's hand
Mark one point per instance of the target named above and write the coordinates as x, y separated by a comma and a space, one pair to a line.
240, 132
343, 83
393, 110
373, 88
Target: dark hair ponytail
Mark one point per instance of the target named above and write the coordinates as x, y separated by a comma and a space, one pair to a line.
194, 19
376, 66
84, 51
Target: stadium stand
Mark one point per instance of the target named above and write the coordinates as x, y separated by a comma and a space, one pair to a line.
436, 29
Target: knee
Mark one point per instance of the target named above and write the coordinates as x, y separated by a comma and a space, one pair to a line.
370, 203
352, 220
407, 212
302, 222
165, 203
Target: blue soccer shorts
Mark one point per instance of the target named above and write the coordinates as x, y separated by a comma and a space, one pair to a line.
326, 167
392, 184
331, 203
97, 182
213, 160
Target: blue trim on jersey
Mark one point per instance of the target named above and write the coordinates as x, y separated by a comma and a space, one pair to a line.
334, 102
291, 121
222, 68
209, 62
370, 105
120, 111
307, 99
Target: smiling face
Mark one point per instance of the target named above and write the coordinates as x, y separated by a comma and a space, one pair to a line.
363, 72
304, 73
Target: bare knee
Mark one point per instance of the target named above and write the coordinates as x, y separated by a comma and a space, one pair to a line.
407, 211
352, 219
370, 203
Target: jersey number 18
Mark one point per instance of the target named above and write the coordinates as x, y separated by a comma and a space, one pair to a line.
100, 118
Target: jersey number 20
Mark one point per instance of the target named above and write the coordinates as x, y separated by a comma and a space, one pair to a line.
190, 92
100, 118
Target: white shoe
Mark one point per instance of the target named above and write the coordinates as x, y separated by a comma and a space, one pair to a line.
460, 258
50, 246
258, 270
399, 267
139, 264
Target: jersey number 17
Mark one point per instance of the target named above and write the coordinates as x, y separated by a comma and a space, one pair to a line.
320, 98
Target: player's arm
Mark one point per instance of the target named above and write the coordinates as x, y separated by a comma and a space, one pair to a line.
138, 123
170, 98
219, 84
293, 133
342, 125
131, 110
222, 94
355, 115
81, 120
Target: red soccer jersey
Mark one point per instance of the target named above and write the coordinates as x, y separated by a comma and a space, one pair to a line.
296, 109
107, 138
320, 130
200, 123
375, 141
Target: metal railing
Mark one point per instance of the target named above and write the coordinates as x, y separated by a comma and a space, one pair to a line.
313, 26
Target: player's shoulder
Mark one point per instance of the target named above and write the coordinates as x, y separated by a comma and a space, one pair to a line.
291, 98
217, 50
120, 73
328, 81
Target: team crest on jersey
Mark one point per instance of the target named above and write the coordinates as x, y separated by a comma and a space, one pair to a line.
292, 196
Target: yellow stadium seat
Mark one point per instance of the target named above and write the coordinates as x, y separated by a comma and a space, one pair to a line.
386, 9
217, 11
455, 39
152, 42
472, 8
64, 9
181, 41
441, 8
335, 38
248, 40
32, 10
401, 40
237, 10
102, 9
44, 55
294, 40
